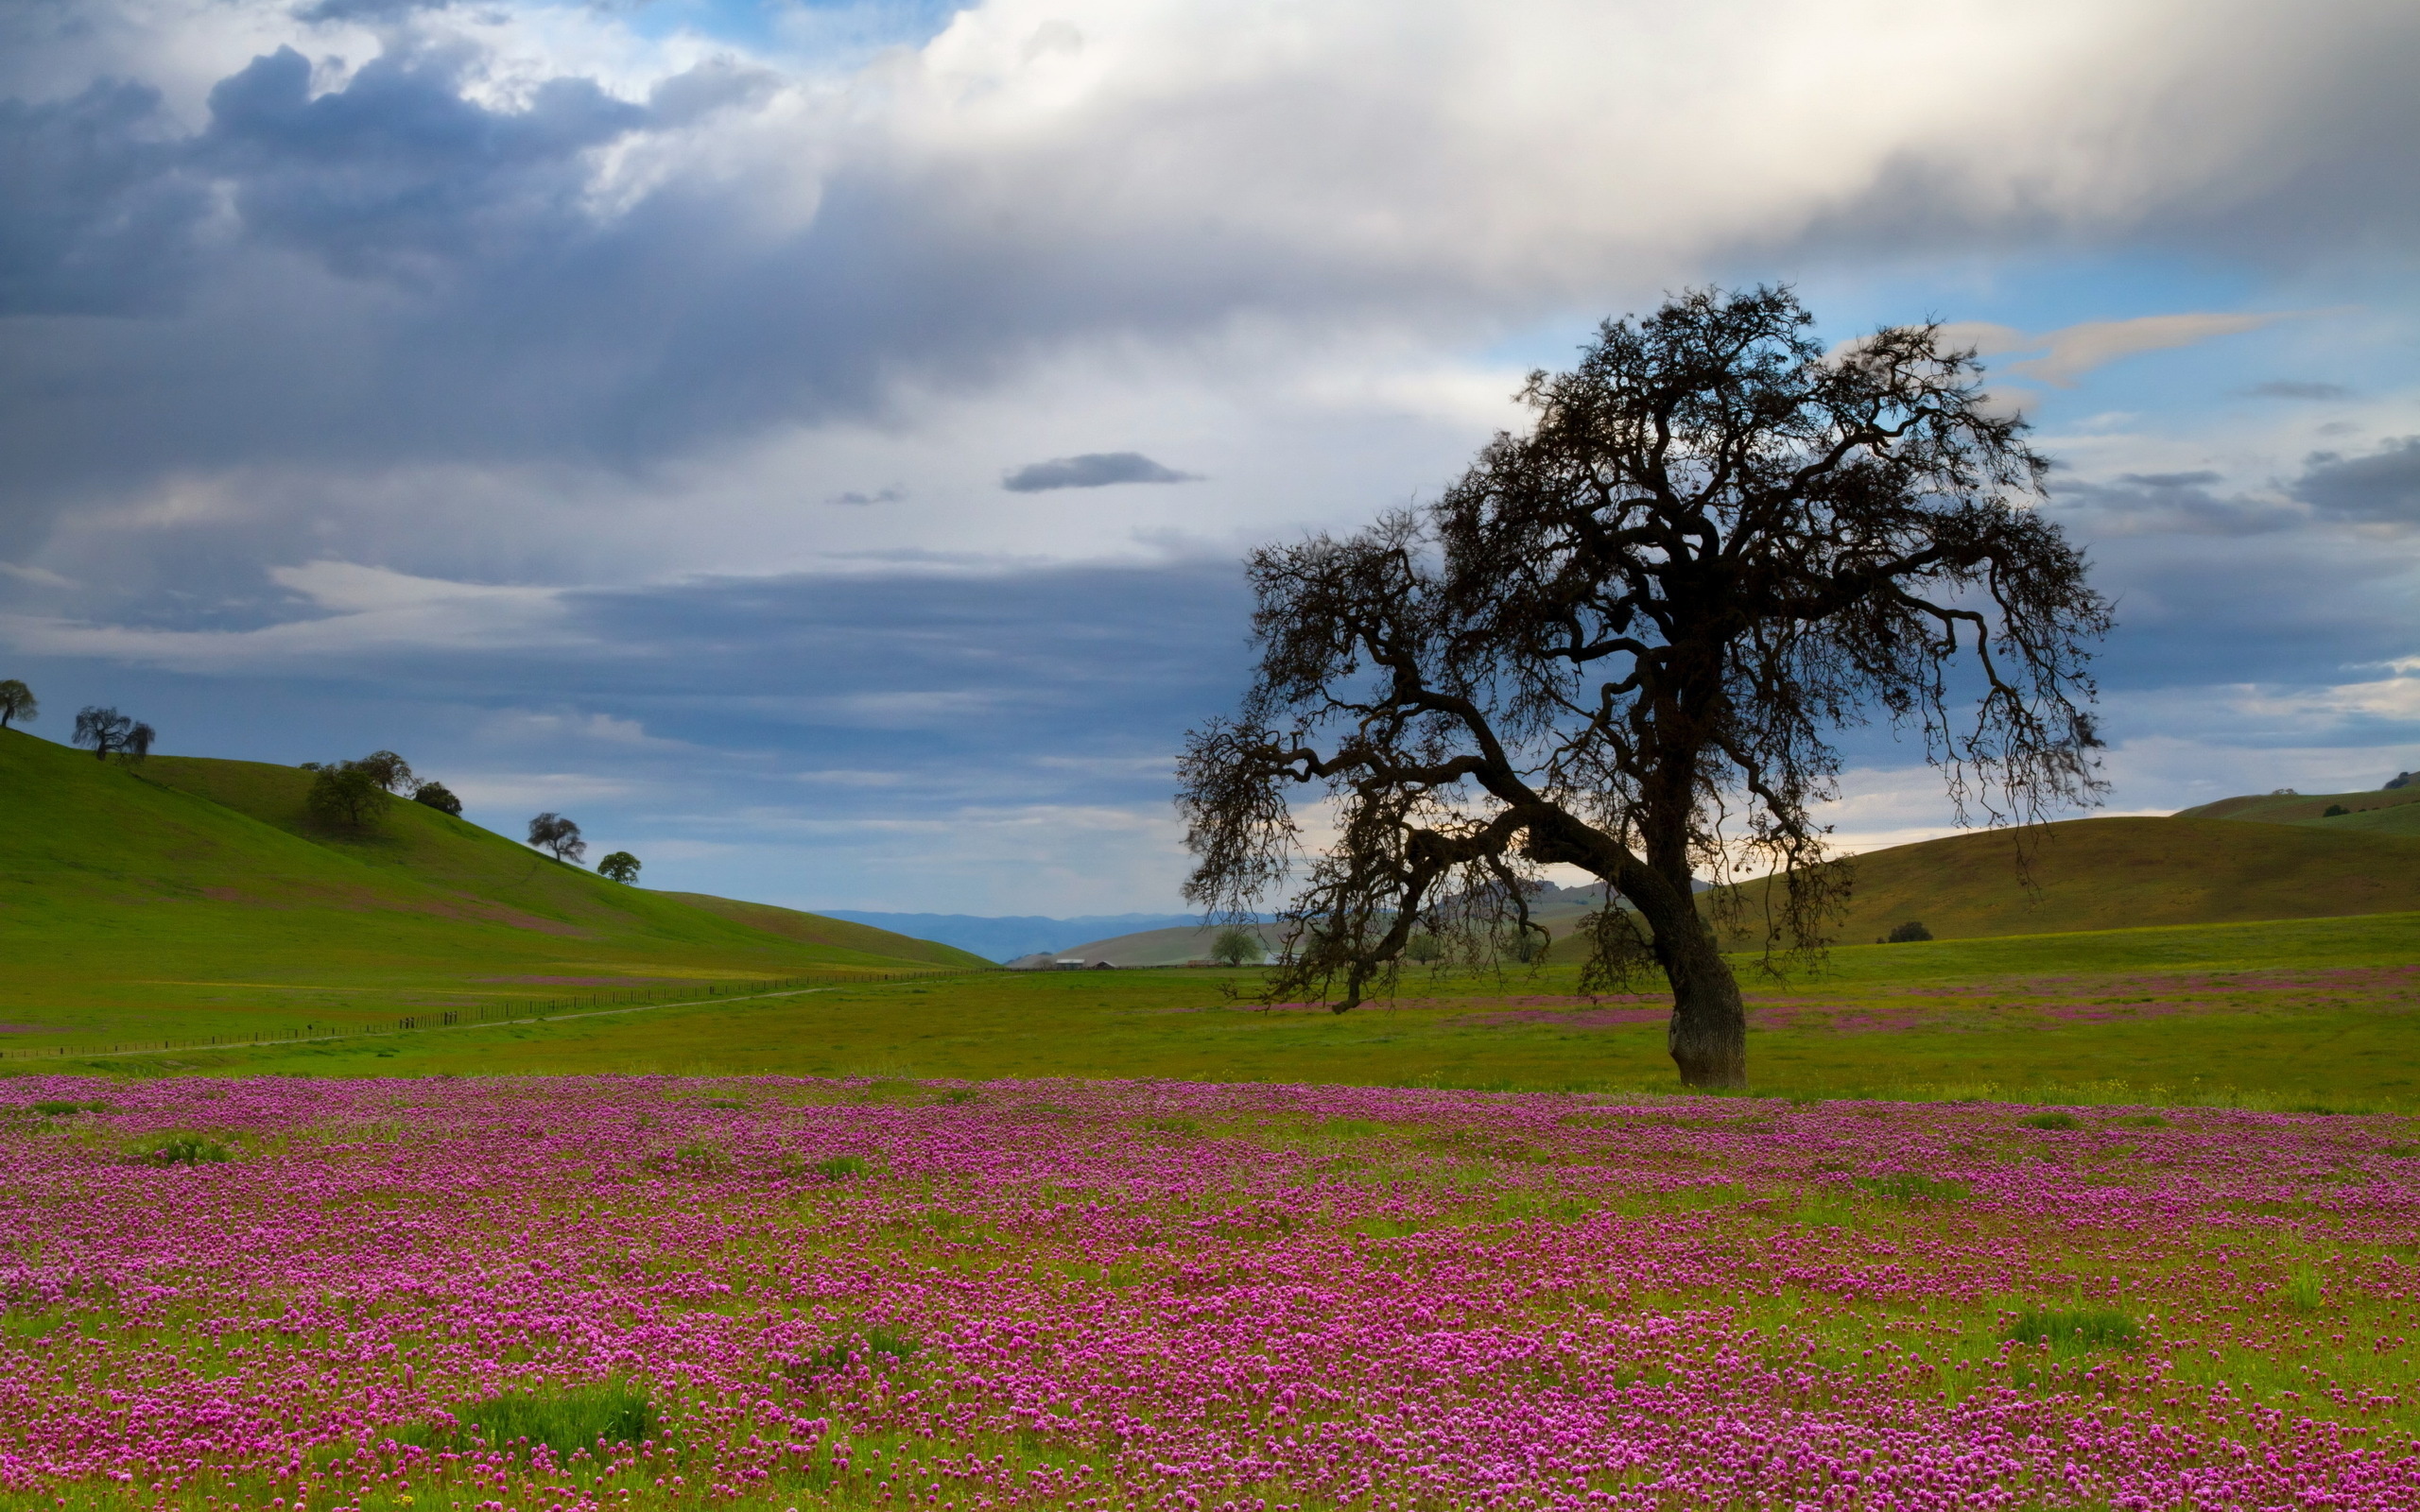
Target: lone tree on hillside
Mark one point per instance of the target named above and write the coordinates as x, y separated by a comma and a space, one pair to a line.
387, 771
619, 867
553, 832
346, 796
110, 733
438, 797
1237, 947
1620, 642
17, 702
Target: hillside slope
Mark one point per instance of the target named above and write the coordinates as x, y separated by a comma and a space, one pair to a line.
190, 884
2122, 873
2394, 811
1162, 947
841, 933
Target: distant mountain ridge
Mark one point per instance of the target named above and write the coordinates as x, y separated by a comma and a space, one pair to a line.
1006, 938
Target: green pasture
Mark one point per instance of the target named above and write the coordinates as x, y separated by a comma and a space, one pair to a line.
2314, 1013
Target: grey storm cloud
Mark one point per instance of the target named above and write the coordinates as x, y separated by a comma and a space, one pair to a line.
1093, 469
412, 266
398, 174
2171, 503
97, 215
2382, 488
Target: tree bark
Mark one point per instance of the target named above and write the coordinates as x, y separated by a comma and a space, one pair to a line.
1708, 1033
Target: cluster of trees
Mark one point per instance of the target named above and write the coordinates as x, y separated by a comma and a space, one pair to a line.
103, 730
349, 795
559, 835
110, 733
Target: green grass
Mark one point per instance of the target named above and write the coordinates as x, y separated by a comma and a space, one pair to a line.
2232, 1015
2384, 811
2077, 1331
563, 1419
2119, 873
186, 898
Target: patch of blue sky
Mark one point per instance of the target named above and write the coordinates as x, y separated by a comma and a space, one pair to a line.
2327, 336
830, 33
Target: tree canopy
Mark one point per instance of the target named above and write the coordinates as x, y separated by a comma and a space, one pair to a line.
620, 865
345, 795
17, 702
1623, 642
112, 733
387, 771
438, 797
559, 837
1236, 946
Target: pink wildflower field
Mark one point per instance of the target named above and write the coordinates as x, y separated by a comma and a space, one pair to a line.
772, 1292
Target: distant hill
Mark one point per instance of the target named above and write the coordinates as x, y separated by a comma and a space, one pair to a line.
154, 881
1008, 938
2121, 873
2394, 810
1158, 947
819, 929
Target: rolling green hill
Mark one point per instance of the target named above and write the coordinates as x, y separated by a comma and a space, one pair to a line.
2122, 873
814, 929
2391, 812
199, 889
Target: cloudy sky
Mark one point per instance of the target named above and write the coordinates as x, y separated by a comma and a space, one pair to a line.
810, 443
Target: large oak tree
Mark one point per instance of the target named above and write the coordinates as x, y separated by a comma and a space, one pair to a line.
1624, 641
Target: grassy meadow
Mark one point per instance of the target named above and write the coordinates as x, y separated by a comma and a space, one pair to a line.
2302, 1013
188, 899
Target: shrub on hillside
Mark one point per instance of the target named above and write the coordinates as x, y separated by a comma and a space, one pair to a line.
2333, 810
436, 796
1909, 933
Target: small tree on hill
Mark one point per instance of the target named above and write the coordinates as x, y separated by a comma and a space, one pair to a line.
17, 702
387, 771
558, 836
110, 733
438, 797
619, 867
1622, 641
1910, 932
1237, 947
345, 795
